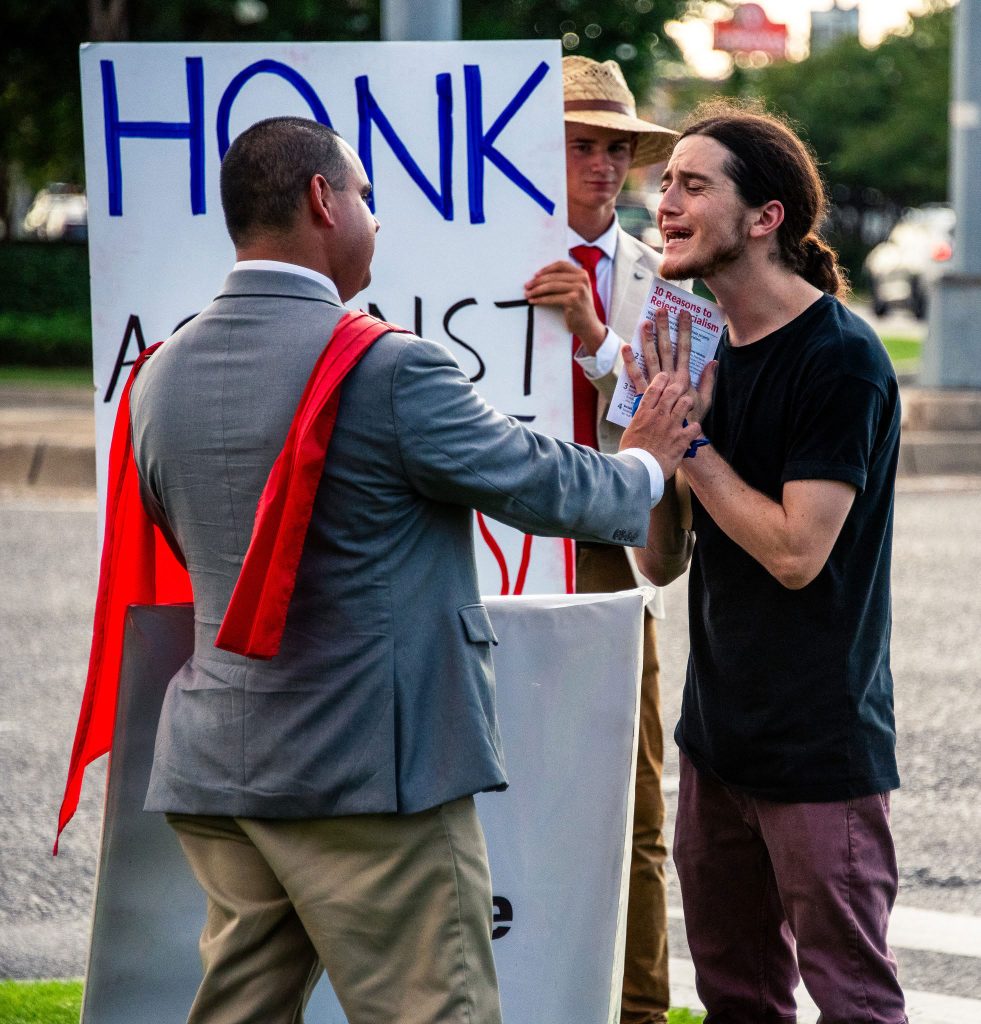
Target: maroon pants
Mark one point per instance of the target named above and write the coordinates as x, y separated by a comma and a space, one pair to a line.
758, 877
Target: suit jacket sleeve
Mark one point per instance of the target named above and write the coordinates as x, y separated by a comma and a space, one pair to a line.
456, 448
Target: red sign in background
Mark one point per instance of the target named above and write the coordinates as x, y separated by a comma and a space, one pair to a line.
749, 30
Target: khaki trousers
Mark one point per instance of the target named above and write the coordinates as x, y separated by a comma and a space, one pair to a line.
397, 908
605, 569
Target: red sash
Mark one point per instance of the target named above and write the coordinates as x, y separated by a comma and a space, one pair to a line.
138, 567
256, 614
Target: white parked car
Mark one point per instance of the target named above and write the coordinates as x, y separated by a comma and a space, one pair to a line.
58, 212
901, 269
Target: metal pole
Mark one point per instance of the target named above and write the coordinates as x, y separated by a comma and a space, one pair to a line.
420, 19
952, 353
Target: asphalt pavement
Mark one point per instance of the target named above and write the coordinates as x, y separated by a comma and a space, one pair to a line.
48, 554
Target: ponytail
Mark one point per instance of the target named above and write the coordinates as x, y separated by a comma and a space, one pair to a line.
818, 264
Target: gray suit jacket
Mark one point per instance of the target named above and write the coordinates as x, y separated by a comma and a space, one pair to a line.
382, 697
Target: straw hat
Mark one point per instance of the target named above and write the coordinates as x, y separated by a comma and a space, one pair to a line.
597, 94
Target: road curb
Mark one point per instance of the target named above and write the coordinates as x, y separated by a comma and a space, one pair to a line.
941, 432
47, 439
45, 465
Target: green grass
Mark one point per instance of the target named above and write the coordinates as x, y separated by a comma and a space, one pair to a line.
40, 1002
60, 1002
46, 376
903, 350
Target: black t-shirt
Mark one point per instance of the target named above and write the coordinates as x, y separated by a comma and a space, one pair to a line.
789, 692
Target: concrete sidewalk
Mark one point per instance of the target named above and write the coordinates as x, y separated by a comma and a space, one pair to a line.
47, 435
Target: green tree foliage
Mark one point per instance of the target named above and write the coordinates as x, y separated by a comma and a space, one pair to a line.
40, 93
630, 32
876, 118
40, 102
40, 112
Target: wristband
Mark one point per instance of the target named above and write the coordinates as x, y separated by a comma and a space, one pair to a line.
699, 442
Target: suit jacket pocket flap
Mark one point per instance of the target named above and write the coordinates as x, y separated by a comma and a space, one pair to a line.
477, 623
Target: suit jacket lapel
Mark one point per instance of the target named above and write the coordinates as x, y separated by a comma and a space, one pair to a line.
631, 281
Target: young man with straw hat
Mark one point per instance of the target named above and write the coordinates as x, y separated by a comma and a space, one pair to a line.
601, 290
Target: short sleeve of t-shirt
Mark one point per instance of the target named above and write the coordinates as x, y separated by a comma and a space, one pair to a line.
833, 430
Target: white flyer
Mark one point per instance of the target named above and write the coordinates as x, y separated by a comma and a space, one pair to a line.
706, 329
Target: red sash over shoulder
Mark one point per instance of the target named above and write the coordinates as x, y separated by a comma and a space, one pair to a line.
254, 620
138, 566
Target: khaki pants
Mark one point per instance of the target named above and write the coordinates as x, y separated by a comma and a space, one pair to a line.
605, 569
397, 908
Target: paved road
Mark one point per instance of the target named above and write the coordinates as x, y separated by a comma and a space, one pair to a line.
47, 554
895, 324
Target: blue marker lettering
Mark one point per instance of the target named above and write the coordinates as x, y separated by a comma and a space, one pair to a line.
480, 144
265, 67
192, 130
369, 112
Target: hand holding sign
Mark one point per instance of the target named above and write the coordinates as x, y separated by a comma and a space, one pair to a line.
567, 286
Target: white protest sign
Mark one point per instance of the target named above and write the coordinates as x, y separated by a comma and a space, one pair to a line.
464, 145
707, 322
558, 840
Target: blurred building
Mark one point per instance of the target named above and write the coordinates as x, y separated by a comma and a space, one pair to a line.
827, 27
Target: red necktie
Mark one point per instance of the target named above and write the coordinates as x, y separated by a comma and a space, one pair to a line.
584, 395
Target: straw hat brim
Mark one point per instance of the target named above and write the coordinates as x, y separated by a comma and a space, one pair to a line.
654, 143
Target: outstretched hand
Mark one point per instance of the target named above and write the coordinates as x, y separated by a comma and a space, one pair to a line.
655, 342
660, 425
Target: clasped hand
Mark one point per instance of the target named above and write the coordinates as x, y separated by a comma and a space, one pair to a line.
668, 398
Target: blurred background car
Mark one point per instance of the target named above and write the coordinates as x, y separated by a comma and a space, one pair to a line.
637, 213
901, 269
59, 213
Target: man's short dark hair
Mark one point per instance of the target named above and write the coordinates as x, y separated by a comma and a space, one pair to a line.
267, 170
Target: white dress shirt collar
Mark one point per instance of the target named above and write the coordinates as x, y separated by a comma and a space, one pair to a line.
606, 241
288, 268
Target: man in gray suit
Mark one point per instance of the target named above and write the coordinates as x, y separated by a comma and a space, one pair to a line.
601, 290
324, 798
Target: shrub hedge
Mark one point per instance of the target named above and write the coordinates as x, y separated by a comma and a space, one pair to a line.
45, 310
